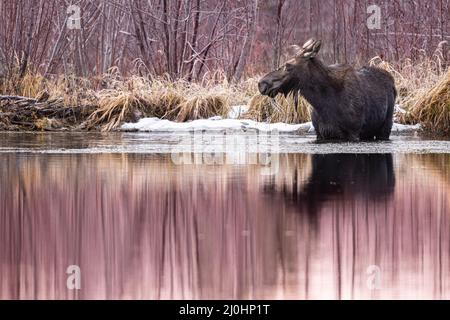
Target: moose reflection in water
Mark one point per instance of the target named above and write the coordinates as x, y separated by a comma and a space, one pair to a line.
139, 226
343, 176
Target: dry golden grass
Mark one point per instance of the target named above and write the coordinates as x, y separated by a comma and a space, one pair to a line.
71, 91
122, 101
28, 86
113, 108
200, 108
413, 79
280, 109
432, 108
423, 91
162, 98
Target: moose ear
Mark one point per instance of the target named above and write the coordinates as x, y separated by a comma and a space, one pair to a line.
312, 48
308, 44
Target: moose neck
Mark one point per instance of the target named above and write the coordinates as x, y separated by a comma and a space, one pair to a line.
319, 87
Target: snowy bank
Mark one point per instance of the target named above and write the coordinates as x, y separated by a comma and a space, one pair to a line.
219, 124
404, 128
212, 124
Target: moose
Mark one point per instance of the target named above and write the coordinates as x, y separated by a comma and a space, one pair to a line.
348, 104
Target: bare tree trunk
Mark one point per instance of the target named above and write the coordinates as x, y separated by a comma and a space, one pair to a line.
56, 47
26, 54
278, 35
194, 38
175, 39
2, 66
167, 37
211, 41
248, 42
184, 41
141, 35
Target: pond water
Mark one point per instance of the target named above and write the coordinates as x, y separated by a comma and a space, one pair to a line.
149, 216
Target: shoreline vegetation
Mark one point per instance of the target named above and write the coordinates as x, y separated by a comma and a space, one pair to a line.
66, 103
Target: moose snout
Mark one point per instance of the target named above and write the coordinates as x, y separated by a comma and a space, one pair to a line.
263, 87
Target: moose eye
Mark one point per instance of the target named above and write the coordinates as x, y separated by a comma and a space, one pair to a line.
288, 67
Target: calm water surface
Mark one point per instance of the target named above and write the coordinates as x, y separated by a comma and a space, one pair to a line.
146, 226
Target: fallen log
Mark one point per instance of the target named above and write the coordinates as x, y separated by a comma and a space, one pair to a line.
17, 98
30, 113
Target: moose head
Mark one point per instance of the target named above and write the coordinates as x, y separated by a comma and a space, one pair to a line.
289, 76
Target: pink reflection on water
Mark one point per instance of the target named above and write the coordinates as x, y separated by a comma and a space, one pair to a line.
142, 227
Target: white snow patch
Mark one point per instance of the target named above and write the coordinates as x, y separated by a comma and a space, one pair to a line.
404, 128
237, 111
215, 124
215, 118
